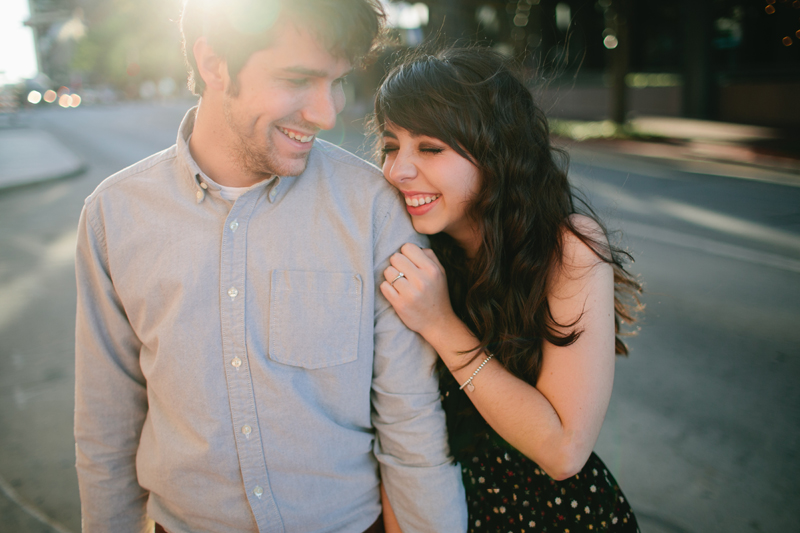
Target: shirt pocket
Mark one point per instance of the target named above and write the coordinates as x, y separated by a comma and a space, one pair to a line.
314, 318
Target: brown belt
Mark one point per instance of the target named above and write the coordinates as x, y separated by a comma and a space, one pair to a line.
377, 527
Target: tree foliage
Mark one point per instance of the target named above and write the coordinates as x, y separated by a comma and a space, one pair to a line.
130, 41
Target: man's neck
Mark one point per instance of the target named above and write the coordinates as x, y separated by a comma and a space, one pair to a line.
211, 149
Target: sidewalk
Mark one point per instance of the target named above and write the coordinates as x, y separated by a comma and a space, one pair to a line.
702, 147
30, 155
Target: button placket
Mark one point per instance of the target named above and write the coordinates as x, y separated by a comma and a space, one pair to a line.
248, 441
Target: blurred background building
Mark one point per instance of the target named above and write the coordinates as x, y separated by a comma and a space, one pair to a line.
128, 47
726, 60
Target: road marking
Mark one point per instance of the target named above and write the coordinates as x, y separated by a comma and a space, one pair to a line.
666, 168
728, 224
702, 244
697, 216
12, 495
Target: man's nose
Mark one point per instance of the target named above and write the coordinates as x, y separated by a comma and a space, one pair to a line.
326, 103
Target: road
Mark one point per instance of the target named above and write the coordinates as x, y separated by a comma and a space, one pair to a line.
704, 424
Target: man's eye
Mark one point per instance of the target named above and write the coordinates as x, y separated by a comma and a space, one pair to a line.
298, 81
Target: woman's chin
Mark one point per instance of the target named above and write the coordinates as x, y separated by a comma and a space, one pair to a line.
424, 229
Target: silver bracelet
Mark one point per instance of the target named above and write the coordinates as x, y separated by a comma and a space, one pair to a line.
468, 384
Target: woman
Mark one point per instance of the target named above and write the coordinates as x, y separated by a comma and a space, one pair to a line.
521, 296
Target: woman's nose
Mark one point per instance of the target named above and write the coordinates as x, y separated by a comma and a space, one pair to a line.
401, 169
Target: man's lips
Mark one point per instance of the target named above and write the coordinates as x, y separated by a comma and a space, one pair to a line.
297, 135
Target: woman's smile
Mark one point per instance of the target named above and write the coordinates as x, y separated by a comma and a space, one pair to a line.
437, 182
419, 204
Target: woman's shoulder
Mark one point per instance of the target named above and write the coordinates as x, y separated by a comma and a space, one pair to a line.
584, 249
584, 241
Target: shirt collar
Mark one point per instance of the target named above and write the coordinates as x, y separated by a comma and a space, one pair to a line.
199, 181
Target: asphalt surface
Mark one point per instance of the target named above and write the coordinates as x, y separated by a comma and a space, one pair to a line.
704, 424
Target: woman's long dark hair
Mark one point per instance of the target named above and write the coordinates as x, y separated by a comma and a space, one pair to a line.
471, 99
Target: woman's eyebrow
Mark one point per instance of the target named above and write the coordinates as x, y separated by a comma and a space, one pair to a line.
387, 133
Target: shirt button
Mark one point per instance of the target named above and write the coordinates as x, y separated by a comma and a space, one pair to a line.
204, 186
258, 491
199, 195
246, 429
232, 292
234, 225
236, 362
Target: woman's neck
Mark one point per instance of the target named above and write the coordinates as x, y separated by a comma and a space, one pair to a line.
470, 241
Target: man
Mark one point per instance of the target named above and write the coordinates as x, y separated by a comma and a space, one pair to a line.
235, 368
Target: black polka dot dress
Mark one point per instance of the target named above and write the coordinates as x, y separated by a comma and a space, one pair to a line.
509, 493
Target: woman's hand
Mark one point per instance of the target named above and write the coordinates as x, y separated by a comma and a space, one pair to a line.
420, 296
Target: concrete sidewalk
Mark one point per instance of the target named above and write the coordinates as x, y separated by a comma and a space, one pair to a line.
686, 145
31, 155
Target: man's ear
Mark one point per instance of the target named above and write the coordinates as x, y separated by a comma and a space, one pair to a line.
213, 69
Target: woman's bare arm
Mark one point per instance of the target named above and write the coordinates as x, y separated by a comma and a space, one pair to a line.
389, 519
557, 422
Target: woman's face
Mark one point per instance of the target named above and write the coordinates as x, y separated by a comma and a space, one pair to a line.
436, 181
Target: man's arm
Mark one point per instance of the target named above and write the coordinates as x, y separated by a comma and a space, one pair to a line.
110, 393
419, 475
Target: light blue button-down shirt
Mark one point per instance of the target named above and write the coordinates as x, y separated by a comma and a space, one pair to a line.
236, 368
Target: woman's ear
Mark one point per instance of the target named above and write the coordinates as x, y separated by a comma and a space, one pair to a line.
213, 69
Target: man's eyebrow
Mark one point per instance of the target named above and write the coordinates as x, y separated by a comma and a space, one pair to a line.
312, 73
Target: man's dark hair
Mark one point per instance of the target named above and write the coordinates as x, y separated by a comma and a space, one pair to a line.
236, 29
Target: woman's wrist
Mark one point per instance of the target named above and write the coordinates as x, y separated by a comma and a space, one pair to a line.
452, 340
438, 329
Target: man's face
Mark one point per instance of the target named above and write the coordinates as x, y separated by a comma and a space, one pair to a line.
287, 94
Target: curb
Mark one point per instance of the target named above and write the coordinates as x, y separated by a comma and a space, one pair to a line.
29, 156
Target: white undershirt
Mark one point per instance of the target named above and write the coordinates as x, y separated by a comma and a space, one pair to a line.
231, 193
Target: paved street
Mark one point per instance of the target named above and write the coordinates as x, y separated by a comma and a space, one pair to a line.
704, 425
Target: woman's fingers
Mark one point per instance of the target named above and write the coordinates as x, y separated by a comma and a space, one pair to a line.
432, 256
419, 296
403, 264
415, 254
420, 268
392, 275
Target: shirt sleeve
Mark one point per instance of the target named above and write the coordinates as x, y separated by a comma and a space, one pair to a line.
110, 393
420, 477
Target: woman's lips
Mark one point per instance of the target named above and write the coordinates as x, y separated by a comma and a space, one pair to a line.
424, 208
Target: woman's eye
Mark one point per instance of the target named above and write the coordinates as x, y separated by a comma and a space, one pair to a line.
387, 149
432, 150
